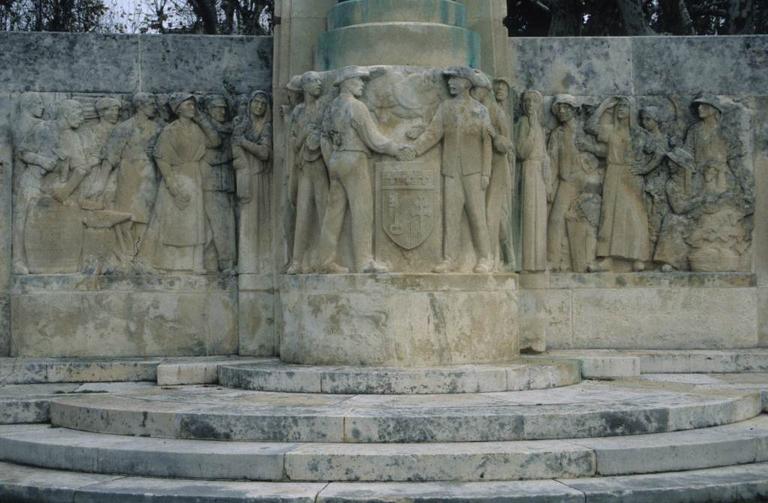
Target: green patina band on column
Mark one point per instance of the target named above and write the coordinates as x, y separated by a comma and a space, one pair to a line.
353, 12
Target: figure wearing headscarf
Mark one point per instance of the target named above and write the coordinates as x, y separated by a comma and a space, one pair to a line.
179, 223
624, 230
532, 151
252, 152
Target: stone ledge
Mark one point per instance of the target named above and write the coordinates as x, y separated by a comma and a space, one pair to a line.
50, 283
652, 280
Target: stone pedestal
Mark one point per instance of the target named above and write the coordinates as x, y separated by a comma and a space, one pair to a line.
405, 320
89, 316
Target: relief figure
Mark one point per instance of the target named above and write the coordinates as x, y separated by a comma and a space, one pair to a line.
309, 172
624, 232
351, 134
532, 151
252, 153
178, 226
218, 191
464, 127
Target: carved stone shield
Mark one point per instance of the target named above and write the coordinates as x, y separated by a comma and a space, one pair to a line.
409, 202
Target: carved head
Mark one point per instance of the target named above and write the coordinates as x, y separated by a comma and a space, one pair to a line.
531, 102
32, 103
184, 105
259, 103
71, 112
564, 107
216, 106
501, 90
481, 86
706, 106
312, 84
145, 104
350, 80
623, 109
650, 117
108, 109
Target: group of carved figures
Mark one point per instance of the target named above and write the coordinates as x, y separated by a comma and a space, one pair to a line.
95, 194
598, 192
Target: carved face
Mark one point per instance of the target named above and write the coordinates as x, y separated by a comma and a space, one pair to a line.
218, 112
564, 112
187, 109
530, 103
501, 90
622, 110
74, 117
148, 109
457, 85
705, 110
648, 121
110, 114
481, 93
355, 86
35, 107
313, 86
259, 106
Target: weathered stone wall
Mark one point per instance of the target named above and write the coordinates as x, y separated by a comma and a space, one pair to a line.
676, 310
137, 316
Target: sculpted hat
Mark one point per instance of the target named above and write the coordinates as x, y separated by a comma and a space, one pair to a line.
352, 72
705, 99
105, 103
178, 98
502, 80
215, 100
479, 79
294, 84
565, 98
461, 72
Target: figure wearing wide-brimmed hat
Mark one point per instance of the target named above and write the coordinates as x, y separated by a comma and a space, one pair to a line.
178, 227
566, 171
706, 143
351, 134
464, 127
309, 174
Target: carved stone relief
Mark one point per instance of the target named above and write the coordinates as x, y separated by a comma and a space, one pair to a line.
154, 192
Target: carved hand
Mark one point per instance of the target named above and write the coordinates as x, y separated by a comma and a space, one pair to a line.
406, 153
415, 132
486, 182
182, 199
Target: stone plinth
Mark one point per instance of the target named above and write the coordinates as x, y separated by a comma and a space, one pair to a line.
404, 320
75, 315
643, 311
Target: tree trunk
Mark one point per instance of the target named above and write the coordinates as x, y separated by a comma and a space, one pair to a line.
675, 18
741, 17
633, 18
206, 12
566, 18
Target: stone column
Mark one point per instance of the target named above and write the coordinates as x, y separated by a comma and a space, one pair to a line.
5, 223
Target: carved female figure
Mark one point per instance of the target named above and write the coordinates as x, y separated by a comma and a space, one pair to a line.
623, 230
251, 151
532, 151
179, 213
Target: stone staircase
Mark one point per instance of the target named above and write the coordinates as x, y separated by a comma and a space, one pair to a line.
529, 431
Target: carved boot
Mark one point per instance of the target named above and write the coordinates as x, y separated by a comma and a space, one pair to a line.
445, 266
484, 266
373, 266
332, 268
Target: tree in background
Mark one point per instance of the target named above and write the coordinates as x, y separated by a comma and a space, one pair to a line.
636, 17
51, 15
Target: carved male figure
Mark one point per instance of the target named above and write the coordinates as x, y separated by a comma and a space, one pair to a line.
464, 127
309, 169
567, 168
179, 225
35, 157
74, 162
532, 151
351, 134
218, 190
129, 153
95, 140
500, 184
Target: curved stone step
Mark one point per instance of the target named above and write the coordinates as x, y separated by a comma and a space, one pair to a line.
589, 409
287, 378
354, 12
61, 448
737, 483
